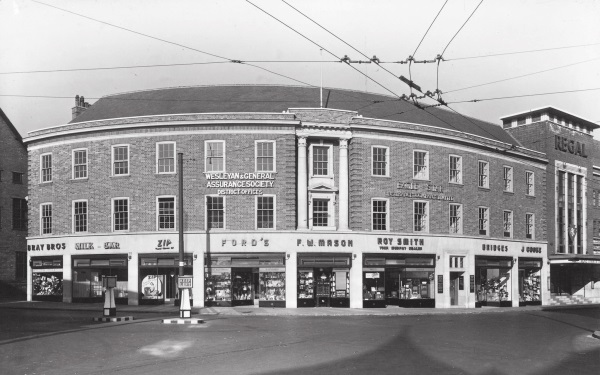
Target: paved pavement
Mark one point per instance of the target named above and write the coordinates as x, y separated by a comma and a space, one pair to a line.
169, 309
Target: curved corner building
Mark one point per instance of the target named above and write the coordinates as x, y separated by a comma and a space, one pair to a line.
367, 201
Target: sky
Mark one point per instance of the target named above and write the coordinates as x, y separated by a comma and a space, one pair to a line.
52, 50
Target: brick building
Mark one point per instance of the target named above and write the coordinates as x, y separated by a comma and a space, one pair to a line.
363, 201
13, 210
573, 198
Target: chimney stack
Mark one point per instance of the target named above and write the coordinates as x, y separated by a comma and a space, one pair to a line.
80, 106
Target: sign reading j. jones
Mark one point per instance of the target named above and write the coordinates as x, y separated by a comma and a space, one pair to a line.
431, 191
250, 183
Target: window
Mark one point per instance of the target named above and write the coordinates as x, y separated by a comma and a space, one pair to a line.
455, 169
421, 217
380, 157
21, 265
457, 262
46, 218
530, 180
379, 214
214, 152
120, 156
165, 213
455, 218
80, 216
484, 220
536, 117
484, 174
508, 224
80, 168
46, 167
215, 212
265, 212
17, 178
320, 160
521, 121
265, 156
529, 226
508, 179
165, 157
120, 214
421, 165
320, 212
19, 214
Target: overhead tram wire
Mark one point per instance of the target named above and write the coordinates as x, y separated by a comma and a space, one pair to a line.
519, 52
523, 96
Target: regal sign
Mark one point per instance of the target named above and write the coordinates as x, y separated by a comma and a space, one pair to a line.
565, 144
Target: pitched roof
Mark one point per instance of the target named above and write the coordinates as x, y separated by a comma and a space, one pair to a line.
266, 98
11, 126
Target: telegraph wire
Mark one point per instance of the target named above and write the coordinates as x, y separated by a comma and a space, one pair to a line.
520, 52
442, 54
523, 96
432, 22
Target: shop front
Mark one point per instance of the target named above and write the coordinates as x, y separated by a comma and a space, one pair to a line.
245, 279
398, 280
47, 278
158, 278
324, 280
530, 281
88, 272
493, 281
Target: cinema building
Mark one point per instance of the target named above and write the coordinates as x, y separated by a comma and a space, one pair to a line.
361, 201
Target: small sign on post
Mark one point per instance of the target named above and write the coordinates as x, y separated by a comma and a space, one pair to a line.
185, 282
109, 283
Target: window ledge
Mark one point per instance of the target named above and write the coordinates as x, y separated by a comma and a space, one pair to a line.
323, 228
508, 192
79, 179
459, 184
120, 176
483, 188
45, 183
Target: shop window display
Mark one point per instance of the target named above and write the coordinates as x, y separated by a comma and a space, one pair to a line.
493, 285
373, 286
416, 284
529, 288
243, 293
218, 285
272, 286
47, 284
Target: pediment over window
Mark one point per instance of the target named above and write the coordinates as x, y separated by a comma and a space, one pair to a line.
322, 188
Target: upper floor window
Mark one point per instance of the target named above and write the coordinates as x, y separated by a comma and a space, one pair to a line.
457, 262
265, 212
214, 152
80, 216
20, 265
165, 157
46, 167
508, 179
455, 218
421, 165
484, 221
484, 174
80, 164
120, 158
215, 212
455, 169
19, 214
265, 156
421, 216
320, 160
120, 214
17, 178
379, 214
165, 212
508, 224
380, 157
521, 121
530, 226
529, 180
46, 218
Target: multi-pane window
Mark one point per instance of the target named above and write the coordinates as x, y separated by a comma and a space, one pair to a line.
80, 216
421, 165
166, 213
19, 214
265, 212
421, 217
455, 218
508, 223
320, 156
46, 218
380, 214
484, 174
165, 157
215, 212
120, 214
320, 211
17, 178
215, 156
46, 167
265, 156
484, 220
508, 179
457, 262
455, 169
380, 161
120, 156
529, 181
80, 164
529, 226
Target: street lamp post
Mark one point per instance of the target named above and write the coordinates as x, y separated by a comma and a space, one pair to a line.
185, 310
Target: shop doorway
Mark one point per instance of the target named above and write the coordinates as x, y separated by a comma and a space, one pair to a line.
243, 286
457, 289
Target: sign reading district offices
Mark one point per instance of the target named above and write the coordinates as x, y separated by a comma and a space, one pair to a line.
430, 191
185, 282
250, 183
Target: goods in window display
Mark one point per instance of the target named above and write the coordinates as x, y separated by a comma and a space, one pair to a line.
531, 286
47, 285
305, 285
218, 286
272, 286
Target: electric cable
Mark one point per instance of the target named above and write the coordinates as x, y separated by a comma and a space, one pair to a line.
519, 52
432, 22
463, 25
523, 96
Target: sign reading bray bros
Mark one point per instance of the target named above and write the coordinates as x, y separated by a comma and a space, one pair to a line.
250, 183
565, 144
